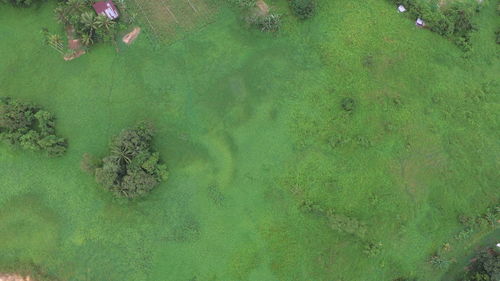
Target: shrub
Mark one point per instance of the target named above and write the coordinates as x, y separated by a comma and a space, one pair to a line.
348, 104
303, 9
373, 249
439, 261
485, 267
24, 3
132, 169
346, 224
30, 127
266, 23
453, 22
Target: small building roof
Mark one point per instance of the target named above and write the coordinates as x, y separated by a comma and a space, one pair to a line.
420, 22
106, 8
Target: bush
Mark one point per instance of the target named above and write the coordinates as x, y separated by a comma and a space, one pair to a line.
348, 104
30, 127
453, 22
24, 3
373, 249
439, 261
266, 23
132, 169
303, 9
485, 267
346, 224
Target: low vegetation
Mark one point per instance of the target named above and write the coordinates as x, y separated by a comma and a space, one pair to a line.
87, 25
375, 140
24, 3
266, 23
303, 9
30, 127
453, 21
132, 168
484, 267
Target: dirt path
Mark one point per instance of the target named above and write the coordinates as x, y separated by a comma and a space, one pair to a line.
130, 37
263, 7
14, 277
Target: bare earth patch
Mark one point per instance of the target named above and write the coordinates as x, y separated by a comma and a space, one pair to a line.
14, 277
74, 45
130, 37
263, 7
73, 56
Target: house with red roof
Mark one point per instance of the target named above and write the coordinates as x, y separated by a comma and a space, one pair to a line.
106, 8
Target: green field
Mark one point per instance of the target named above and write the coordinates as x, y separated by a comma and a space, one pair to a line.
251, 126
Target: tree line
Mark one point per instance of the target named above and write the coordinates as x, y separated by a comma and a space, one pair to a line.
131, 169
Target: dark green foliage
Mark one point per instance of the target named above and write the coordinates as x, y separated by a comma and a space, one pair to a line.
132, 169
348, 104
346, 224
486, 220
303, 9
439, 261
485, 267
24, 3
308, 206
30, 127
88, 26
266, 23
373, 249
453, 22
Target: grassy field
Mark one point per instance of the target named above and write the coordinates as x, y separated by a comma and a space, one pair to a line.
251, 127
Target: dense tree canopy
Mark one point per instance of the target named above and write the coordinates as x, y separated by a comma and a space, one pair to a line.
30, 127
453, 21
88, 26
485, 267
131, 169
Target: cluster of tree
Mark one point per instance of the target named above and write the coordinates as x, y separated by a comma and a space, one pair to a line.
484, 267
266, 21
131, 169
303, 9
453, 21
30, 127
24, 3
87, 25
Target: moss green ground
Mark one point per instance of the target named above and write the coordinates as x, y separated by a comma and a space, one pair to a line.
243, 120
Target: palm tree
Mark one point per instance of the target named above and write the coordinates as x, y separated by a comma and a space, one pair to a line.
104, 22
61, 16
55, 39
87, 39
76, 5
89, 20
